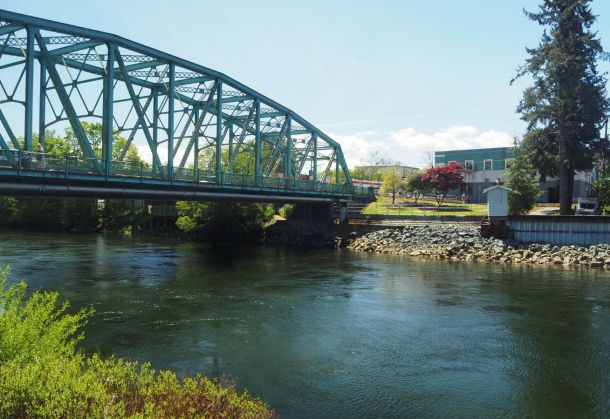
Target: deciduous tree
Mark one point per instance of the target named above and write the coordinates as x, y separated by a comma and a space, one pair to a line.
416, 185
444, 179
392, 184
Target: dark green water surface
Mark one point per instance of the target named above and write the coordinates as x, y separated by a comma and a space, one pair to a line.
336, 333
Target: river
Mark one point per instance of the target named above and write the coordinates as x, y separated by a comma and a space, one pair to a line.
337, 333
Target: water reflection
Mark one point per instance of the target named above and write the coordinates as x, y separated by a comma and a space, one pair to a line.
339, 334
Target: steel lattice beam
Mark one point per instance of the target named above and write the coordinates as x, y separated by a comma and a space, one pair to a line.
159, 99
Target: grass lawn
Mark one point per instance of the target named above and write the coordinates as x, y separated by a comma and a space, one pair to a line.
383, 206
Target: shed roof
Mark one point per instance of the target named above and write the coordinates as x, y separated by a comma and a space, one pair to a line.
497, 187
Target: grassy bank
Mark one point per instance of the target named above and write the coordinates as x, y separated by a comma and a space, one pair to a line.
405, 206
44, 374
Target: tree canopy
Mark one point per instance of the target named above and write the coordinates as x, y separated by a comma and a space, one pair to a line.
417, 185
566, 105
392, 184
523, 182
444, 179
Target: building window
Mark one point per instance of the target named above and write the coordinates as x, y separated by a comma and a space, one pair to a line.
451, 161
469, 165
487, 164
509, 162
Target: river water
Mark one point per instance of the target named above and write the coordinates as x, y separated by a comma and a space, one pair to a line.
337, 333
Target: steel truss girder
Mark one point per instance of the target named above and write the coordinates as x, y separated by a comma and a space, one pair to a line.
79, 132
136, 62
141, 116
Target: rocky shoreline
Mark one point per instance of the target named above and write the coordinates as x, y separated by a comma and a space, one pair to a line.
452, 242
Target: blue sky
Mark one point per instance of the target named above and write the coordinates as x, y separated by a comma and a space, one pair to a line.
401, 77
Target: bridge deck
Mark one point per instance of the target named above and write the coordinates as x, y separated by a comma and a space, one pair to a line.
44, 174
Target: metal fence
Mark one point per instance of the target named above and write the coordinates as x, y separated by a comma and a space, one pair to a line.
70, 166
561, 230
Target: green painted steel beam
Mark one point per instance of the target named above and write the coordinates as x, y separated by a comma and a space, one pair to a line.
108, 112
9, 130
170, 122
218, 152
315, 157
140, 113
137, 125
6, 150
10, 28
29, 89
196, 129
75, 47
151, 58
258, 146
79, 132
42, 101
264, 115
288, 152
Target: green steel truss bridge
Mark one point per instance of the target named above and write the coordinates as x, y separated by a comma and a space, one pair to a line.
207, 136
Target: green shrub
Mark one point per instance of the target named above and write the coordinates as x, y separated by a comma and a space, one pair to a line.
286, 210
44, 374
243, 221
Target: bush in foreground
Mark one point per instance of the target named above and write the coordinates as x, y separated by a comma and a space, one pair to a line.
43, 374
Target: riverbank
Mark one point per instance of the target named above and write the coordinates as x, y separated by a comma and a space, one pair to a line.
44, 373
466, 243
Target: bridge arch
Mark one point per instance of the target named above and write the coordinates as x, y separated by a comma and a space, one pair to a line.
196, 124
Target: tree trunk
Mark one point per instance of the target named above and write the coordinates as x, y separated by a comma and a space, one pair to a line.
565, 197
565, 200
570, 187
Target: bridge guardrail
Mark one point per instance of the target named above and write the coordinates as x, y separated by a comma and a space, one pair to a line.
70, 165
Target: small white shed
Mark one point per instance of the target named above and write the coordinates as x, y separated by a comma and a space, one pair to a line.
497, 201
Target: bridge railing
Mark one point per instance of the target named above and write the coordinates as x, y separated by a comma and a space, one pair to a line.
47, 164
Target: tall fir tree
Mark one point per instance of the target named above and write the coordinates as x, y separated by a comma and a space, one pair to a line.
566, 105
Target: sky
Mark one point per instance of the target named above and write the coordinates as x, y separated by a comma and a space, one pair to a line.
398, 77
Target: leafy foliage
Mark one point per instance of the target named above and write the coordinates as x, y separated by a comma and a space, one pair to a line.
233, 220
601, 189
367, 173
392, 184
43, 374
566, 105
80, 214
417, 185
444, 179
523, 182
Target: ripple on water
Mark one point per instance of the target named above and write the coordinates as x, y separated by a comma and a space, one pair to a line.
341, 334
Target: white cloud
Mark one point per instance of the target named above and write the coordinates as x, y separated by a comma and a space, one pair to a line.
406, 145
412, 147
146, 154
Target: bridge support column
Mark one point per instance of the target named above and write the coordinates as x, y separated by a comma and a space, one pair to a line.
196, 143
258, 147
170, 122
219, 132
288, 155
337, 177
108, 116
155, 126
231, 135
29, 89
315, 158
42, 106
